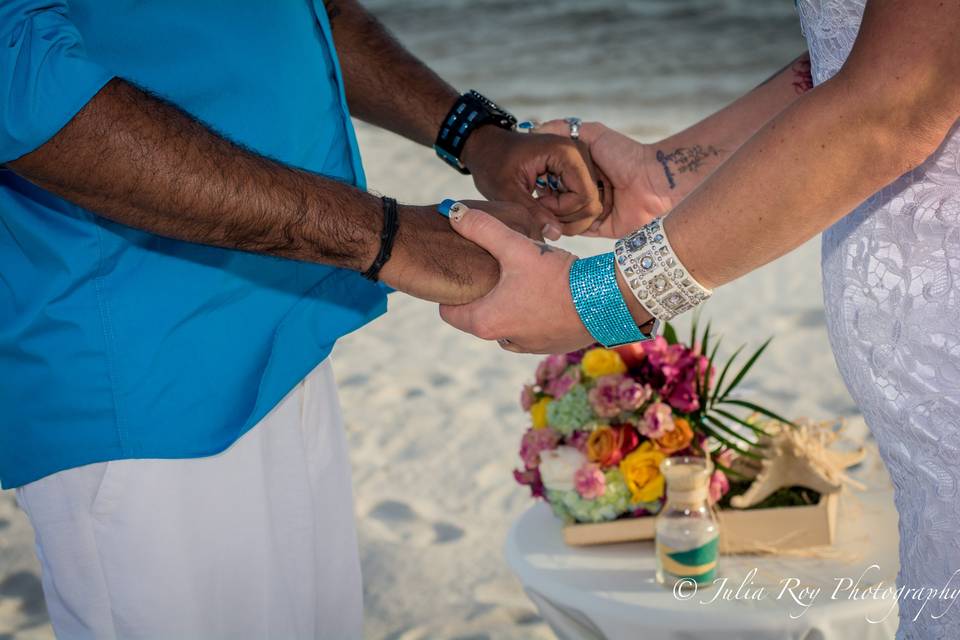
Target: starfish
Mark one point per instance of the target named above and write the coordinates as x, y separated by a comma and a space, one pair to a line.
798, 456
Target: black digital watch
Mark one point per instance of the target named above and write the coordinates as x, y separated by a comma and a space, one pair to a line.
470, 112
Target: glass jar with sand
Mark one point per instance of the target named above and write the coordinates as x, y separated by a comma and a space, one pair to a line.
687, 532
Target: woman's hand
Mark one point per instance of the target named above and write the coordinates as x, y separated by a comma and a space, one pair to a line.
530, 309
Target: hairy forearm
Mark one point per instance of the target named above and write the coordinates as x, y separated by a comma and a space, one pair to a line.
386, 84
804, 170
142, 162
678, 164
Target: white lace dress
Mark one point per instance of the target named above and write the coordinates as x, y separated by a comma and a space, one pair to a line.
890, 272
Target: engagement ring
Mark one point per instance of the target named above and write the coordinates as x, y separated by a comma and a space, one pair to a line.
574, 124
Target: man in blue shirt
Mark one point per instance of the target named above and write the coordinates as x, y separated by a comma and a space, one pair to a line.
183, 220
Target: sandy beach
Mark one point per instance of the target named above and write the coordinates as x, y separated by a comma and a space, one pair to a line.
432, 414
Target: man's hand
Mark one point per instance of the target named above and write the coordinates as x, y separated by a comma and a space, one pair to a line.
389, 87
432, 262
505, 166
628, 166
530, 305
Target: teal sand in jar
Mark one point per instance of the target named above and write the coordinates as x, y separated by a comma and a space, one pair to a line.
688, 535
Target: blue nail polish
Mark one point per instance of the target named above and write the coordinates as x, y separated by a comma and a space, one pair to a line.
541, 182
445, 206
527, 126
554, 182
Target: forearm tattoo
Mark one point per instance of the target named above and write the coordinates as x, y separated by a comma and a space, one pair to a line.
685, 160
802, 78
800, 74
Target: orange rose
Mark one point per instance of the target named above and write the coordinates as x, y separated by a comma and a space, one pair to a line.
678, 438
601, 445
608, 445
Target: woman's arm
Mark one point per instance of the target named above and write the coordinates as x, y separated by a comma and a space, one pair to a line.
883, 114
675, 166
650, 179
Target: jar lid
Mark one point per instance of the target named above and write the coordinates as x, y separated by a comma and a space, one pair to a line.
686, 474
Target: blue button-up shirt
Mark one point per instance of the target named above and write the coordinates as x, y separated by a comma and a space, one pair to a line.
116, 343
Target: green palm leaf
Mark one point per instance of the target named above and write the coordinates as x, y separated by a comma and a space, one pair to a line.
717, 427
729, 416
728, 444
669, 333
723, 374
745, 369
728, 471
758, 409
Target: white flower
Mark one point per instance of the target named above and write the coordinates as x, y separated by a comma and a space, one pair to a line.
558, 466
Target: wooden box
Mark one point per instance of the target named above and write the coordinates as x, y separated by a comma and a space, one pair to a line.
740, 530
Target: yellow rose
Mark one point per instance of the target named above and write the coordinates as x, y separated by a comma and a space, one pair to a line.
602, 362
641, 472
538, 413
678, 438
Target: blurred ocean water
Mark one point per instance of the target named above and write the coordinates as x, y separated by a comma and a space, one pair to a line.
646, 66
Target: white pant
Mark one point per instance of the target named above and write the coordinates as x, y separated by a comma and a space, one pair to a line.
256, 542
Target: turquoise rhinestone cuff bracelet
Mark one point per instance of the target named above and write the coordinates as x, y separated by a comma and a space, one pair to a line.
599, 303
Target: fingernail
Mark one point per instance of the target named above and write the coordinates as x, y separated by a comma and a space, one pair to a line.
445, 206
541, 182
553, 181
551, 232
457, 211
527, 126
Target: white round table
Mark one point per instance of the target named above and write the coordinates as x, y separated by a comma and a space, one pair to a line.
609, 591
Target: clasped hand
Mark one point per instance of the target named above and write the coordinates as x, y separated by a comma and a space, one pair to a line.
606, 192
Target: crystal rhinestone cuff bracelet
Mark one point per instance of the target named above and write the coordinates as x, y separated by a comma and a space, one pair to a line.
655, 275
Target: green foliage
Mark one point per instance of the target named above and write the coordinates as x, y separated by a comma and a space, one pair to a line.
720, 416
716, 416
787, 497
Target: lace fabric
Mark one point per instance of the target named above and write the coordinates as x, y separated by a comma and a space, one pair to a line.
890, 272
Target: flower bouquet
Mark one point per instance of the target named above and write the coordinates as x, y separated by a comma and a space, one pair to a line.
604, 419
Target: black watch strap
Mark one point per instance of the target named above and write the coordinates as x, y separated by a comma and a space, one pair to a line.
470, 112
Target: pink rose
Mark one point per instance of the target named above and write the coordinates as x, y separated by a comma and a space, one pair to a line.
725, 457
558, 387
682, 395
533, 442
526, 397
589, 481
530, 478
657, 420
672, 371
551, 367
605, 397
719, 485
633, 394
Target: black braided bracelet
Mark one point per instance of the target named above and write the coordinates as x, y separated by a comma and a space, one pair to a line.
391, 223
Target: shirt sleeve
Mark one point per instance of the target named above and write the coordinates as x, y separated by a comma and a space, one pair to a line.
45, 74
